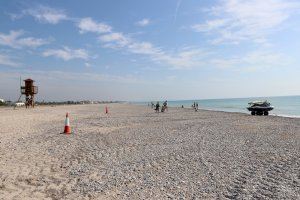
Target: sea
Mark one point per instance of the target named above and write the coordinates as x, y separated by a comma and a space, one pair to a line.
286, 106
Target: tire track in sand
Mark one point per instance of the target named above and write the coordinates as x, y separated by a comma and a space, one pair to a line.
273, 175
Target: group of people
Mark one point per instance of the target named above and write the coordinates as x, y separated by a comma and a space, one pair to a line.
195, 106
164, 107
156, 107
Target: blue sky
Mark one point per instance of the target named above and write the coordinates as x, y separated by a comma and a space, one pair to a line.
147, 50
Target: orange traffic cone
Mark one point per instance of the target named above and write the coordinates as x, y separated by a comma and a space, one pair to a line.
106, 110
67, 125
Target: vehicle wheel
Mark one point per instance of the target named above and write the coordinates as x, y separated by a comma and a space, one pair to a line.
259, 113
266, 113
252, 112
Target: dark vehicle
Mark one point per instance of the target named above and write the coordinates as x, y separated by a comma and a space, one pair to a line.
260, 107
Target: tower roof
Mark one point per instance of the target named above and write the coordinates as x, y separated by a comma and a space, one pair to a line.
29, 80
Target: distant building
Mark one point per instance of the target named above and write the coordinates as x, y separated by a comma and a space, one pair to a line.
2, 100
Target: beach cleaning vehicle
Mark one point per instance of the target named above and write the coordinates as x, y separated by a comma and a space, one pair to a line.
260, 107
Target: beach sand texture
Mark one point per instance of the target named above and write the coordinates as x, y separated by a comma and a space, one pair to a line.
134, 153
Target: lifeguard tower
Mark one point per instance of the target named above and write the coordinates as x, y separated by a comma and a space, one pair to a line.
29, 90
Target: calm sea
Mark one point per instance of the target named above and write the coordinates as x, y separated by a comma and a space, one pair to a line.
288, 106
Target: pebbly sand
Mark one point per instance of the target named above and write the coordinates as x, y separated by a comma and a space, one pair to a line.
134, 153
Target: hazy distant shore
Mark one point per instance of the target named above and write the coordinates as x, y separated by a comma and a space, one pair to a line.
134, 153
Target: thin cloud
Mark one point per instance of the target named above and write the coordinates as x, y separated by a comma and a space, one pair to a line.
14, 40
185, 58
7, 61
177, 9
88, 65
115, 39
182, 59
235, 21
43, 14
145, 48
89, 25
143, 22
252, 61
67, 54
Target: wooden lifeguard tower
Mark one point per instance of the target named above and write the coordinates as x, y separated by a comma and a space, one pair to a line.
29, 90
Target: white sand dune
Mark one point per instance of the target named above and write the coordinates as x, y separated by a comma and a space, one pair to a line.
134, 153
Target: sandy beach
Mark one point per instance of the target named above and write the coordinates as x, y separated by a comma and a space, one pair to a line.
134, 153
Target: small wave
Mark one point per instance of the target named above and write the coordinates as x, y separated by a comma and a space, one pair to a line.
287, 116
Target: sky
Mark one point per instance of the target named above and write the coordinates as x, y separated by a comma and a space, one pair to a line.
150, 50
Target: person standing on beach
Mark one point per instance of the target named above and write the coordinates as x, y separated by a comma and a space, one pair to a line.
157, 107
165, 104
152, 105
196, 106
